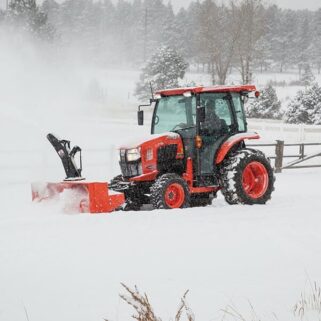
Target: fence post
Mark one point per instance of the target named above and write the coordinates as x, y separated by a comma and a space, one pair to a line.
279, 151
302, 151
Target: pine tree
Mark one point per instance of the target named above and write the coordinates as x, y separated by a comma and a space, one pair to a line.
51, 9
163, 70
267, 106
137, 32
26, 15
156, 18
315, 49
72, 16
303, 42
123, 19
305, 108
253, 27
265, 46
192, 30
170, 32
103, 31
307, 76
317, 114
284, 41
182, 33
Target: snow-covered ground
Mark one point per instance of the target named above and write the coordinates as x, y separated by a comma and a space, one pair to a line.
69, 267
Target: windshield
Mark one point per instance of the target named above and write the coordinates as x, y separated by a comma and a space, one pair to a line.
174, 113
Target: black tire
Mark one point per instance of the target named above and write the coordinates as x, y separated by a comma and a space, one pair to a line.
202, 200
115, 183
134, 198
231, 180
159, 188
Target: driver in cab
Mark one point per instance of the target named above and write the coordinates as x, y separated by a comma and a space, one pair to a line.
213, 126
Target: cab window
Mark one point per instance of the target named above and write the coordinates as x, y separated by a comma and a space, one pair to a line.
218, 117
174, 113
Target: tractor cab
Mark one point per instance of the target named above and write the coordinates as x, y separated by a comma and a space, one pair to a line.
204, 118
208, 112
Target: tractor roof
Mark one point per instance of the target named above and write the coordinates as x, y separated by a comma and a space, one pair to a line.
201, 89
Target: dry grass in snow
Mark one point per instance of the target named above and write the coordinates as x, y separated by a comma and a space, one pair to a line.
308, 308
144, 310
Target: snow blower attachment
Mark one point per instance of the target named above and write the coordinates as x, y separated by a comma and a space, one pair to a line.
77, 194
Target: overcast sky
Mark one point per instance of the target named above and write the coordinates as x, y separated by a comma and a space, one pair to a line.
292, 4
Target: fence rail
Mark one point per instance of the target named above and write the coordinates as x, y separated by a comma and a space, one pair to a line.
279, 155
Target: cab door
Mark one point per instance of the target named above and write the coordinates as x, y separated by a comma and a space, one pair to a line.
219, 124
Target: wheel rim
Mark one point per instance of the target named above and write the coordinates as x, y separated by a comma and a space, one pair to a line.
174, 195
255, 179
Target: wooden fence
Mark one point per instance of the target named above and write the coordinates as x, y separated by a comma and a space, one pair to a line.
279, 156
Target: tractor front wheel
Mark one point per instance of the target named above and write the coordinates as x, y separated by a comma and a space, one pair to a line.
247, 178
170, 191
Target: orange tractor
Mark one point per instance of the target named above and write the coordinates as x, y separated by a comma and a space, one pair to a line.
196, 148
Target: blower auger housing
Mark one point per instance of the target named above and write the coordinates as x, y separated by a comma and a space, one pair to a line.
196, 148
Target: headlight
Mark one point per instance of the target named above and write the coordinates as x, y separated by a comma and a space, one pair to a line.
133, 154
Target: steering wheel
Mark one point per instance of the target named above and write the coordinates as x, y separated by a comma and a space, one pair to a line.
180, 125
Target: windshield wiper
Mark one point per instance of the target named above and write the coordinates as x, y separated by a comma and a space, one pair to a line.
183, 128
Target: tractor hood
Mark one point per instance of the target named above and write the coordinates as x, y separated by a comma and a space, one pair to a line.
145, 153
152, 140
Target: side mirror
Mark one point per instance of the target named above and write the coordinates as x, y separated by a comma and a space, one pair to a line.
140, 117
201, 114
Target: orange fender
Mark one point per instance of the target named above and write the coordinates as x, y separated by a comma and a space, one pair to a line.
235, 139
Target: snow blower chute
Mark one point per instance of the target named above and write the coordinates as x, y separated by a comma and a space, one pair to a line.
83, 196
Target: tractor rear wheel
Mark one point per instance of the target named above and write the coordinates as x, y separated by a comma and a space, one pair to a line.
247, 178
169, 191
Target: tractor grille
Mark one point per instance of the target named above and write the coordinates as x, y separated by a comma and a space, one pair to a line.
131, 169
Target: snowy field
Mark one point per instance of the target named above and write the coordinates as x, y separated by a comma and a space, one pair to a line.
60, 267
69, 267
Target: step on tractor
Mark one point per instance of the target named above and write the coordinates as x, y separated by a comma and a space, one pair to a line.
197, 147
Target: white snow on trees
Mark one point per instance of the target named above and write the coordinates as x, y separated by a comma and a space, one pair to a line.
267, 106
305, 107
162, 71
